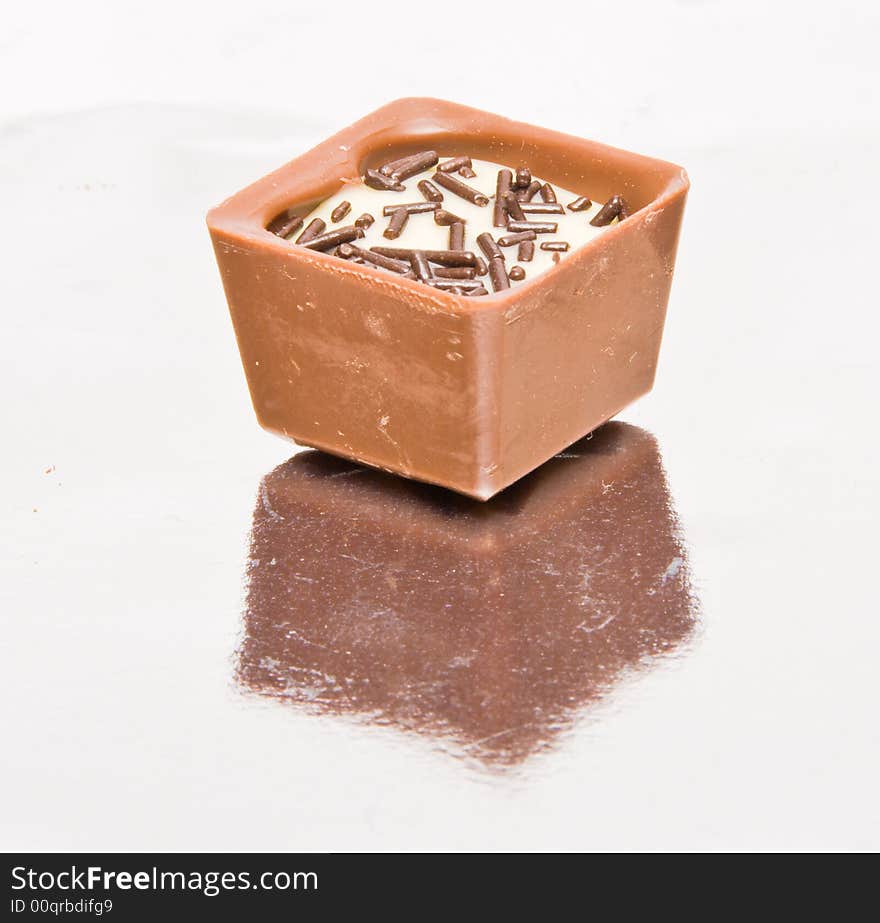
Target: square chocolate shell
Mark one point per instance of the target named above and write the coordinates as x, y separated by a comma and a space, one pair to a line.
469, 393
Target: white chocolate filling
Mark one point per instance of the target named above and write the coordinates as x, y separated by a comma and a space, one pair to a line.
421, 232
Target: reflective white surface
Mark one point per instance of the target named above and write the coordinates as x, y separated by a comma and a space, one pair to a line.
131, 465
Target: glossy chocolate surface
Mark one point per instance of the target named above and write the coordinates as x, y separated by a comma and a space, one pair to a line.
467, 393
490, 628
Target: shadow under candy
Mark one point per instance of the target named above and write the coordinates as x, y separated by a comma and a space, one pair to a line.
490, 627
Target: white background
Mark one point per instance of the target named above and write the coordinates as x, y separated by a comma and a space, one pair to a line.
122, 567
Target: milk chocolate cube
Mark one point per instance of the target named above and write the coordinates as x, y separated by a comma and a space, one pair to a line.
470, 393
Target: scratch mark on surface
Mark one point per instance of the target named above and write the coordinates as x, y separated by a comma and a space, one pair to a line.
267, 506
672, 569
511, 730
588, 631
402, 455
292, 633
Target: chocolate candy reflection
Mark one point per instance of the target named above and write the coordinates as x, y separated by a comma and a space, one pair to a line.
488, 626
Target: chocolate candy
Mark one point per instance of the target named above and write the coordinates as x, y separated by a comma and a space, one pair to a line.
333, 238
509, 240
313, 229
541, 208
430, 191
399, 218
284, 225
615, 207
420, 266
502, 188
445, 218
455, 165
411, 208
341, 210
455, 185
498, 274
523, 178
380, 181
464, 390
456, 235
405, 167
580, 204
513, 207
443, 257
487, 244
539, 227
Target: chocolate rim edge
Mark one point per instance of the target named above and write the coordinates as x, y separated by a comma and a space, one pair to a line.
239, 219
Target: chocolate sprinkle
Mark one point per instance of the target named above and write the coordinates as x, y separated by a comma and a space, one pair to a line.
399, 217
580, 204
411, 208
455, 165
443, 257
445, 218
476, 291
420, 266
313, 229
547, 193
462, 284
376, 180
498, 275
467, 172
526, 251
523, 178
516, 274
430, 191
390, 166
502, 188
615, 207
559, 246
542, 208
456, 186
456, 236
481, 266
418, 163
333, 238
510, 240
526, 195
365, 220
284, 225
514, 209
347, 251
539, 227
405, 167
487, 244
341, 210
455, 272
